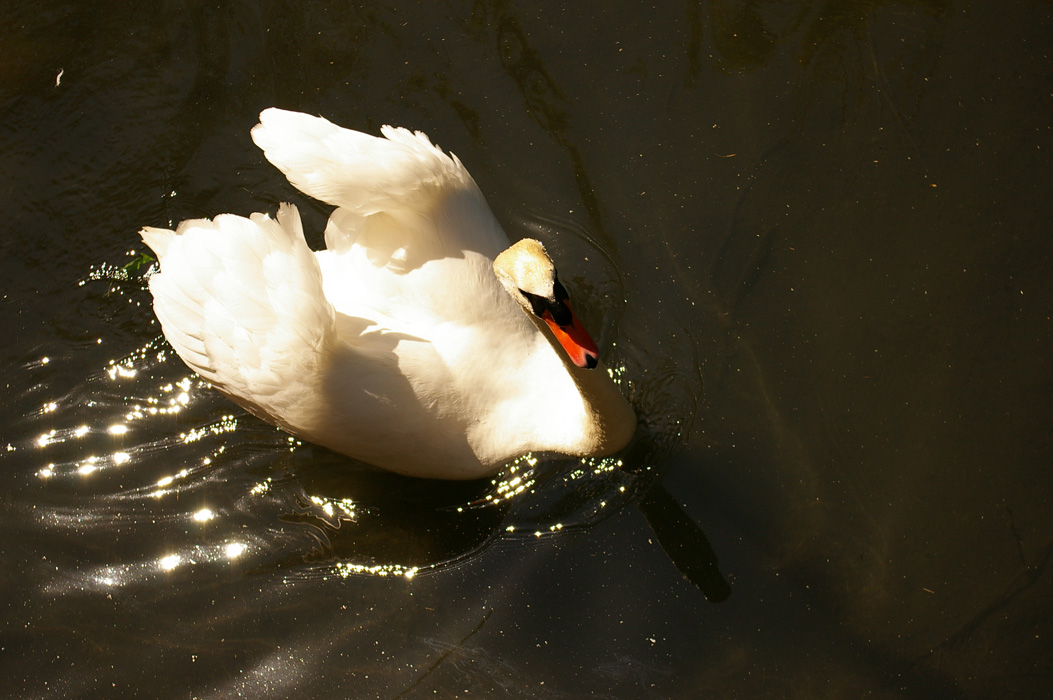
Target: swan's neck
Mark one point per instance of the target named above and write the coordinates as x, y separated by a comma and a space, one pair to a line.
610, 420
551, 406
607, 420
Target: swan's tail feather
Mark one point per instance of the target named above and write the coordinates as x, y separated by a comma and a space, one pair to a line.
240, 300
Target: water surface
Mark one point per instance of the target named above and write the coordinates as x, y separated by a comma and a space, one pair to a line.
811, 238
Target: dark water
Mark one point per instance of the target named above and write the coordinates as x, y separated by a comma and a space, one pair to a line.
812, 237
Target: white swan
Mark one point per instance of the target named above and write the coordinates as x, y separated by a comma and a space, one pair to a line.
404, 344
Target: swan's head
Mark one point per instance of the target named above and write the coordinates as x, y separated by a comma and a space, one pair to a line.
527, 273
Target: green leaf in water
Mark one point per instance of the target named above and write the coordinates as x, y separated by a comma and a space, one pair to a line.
137, 263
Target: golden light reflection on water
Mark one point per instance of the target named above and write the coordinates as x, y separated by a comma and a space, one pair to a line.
596, 466
147, 571
167, 563
262, 487
119, 377
119, 399
204, 515
168, 399
342, 508
346, 569
516, 478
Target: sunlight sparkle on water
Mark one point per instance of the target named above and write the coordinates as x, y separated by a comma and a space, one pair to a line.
122, 371
329, 507
89, 466
204, 515
170, 562
599, 465
162, 405
514, 483
233, 550
225, 424
261, 488
167, 481
345, 569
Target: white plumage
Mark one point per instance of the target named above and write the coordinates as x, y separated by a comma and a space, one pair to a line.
396, 345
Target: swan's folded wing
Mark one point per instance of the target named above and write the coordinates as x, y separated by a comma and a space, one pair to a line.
240, 300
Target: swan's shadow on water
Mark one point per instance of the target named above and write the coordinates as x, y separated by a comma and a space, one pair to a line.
683, 540
677, 533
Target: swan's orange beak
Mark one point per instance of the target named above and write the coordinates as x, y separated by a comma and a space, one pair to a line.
575, 340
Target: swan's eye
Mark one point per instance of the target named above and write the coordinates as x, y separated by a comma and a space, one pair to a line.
537, 304
560, 291
559, 311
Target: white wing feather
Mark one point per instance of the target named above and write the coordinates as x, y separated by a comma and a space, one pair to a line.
396, 195
240, 299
